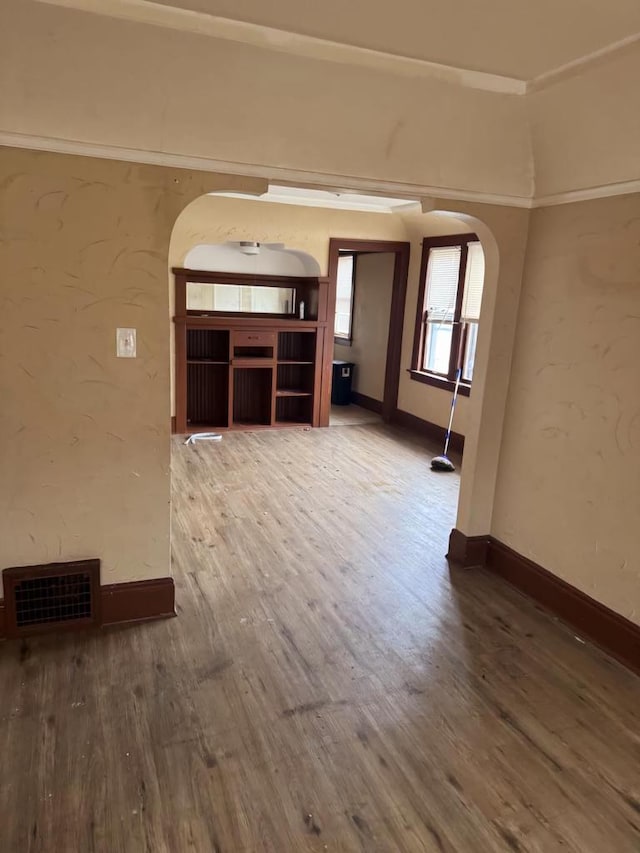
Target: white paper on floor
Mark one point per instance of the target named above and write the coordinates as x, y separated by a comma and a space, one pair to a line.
203, 436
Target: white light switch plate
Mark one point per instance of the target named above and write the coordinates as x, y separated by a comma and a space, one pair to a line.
126, 343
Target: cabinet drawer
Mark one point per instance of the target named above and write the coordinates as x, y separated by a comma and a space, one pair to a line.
255, 338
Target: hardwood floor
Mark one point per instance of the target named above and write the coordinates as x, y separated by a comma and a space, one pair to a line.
328, 685
352, 415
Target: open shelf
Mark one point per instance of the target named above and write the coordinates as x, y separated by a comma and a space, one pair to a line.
294, 410
292, 361
207, 394
298, 346
252, 396
247, 353
295, 379
206, 361
208, 345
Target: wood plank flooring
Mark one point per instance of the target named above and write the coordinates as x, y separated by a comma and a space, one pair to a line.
352, 415
328, 685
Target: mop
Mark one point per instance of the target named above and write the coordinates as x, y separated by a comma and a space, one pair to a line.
443, 463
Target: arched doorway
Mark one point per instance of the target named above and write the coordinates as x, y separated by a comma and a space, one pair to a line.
480, 453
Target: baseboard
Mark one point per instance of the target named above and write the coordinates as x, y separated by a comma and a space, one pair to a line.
470, 552
607, 629
614, 634
173, 425
137, 601
366, 402
126, 603
428, 429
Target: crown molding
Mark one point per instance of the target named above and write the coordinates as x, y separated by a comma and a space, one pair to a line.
324, 180
587, 194
297, 177
583, 63
310, 47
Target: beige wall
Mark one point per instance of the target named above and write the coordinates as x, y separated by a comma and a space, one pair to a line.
215, 219
586, 129
91, 78
84, 436
370, 325
568, 490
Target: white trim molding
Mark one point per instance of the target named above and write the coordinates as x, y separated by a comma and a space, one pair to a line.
583, 63
587, 194
298, 177
276, 174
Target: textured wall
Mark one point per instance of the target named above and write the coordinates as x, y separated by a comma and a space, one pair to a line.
84, 436
568, 490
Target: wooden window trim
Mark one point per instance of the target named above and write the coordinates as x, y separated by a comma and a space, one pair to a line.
437, 380
338, 339
440, 382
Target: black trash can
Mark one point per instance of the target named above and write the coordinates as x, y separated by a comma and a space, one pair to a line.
341, 383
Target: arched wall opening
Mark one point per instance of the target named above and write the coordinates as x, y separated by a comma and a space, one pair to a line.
217, 220
110, 441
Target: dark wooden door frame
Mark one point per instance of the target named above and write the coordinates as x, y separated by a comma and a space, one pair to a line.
396, 315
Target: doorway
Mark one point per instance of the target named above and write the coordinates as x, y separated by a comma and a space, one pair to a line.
362, 328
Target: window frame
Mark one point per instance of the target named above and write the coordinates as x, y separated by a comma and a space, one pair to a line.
416, 372
343, 339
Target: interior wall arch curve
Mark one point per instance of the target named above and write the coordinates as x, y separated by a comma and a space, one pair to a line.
235, 256
503, 234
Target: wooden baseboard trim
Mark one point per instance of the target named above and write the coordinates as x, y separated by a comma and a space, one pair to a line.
126, 603
428, 429
470, 552
137, 601
614, 634
366, 402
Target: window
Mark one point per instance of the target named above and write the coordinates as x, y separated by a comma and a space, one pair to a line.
344, 296
451, 282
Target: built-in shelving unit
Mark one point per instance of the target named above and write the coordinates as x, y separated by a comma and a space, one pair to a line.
246, 369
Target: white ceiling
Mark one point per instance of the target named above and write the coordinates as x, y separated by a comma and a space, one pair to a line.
516, 38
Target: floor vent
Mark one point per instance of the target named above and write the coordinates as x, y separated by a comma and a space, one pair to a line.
48, 598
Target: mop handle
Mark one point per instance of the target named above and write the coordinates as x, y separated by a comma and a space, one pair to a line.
453, 408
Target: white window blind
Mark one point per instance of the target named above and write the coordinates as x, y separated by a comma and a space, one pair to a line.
344, 292
474, 281
442, 282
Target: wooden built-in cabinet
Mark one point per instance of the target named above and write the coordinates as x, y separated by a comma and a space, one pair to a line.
250, 370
